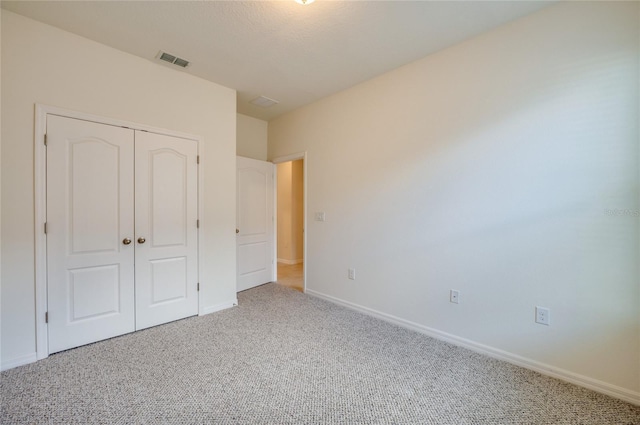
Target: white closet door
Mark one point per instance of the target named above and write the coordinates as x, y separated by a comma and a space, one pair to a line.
255, 227
166, 229
90, 269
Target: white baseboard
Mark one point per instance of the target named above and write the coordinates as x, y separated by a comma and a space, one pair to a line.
545, 369
19, 361
218, 307
290, 262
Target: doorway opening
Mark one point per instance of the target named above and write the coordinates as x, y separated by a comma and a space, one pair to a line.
290, 209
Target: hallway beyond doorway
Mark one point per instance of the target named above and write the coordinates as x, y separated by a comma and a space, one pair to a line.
290, 275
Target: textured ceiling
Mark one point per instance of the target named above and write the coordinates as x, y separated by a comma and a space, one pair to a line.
280, 49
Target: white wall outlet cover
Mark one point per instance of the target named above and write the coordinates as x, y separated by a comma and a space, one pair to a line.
543, 316
319, 216
352, 274
454, 296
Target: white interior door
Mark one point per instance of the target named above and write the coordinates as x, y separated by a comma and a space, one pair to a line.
166, 229
122, 238
255, 223
90, 265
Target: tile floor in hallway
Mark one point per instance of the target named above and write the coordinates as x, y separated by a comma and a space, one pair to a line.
290, 276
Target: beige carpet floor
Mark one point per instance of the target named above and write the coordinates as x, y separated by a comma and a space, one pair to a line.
283, 357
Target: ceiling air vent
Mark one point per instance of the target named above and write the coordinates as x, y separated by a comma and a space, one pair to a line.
167, 57
264, 102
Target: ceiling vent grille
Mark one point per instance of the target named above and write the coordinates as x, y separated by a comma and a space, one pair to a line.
167, 57
264, 102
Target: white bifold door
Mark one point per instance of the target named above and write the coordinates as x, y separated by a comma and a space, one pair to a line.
121, 230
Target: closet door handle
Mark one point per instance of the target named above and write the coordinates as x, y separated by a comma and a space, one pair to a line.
141, 240
126, 241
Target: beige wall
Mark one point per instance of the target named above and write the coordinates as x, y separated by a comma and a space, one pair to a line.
42, 64
251, 139
491, 167
297, 209
290, 211
284, 211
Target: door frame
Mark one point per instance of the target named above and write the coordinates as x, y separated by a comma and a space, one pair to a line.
40, 213
305, 256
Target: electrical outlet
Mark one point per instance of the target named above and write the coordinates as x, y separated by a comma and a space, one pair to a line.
543, 316
454, 296
320, 216
352, 274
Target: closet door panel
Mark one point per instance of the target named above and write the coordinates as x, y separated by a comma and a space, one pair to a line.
90, 203
166, 229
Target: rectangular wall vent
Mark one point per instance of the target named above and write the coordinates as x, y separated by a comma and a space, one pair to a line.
167, 57
264, 102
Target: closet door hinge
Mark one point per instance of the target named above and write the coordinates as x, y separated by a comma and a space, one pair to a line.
197, 224
45, 139
45, 227
46, 317
198, 286
198, 159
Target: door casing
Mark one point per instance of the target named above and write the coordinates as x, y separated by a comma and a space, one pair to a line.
40, 182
